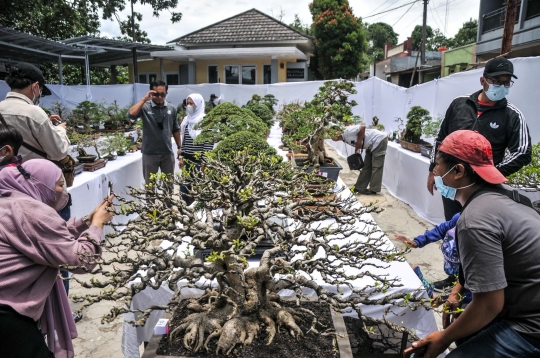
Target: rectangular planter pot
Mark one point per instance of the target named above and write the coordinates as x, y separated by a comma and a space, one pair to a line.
331, 173
344, 345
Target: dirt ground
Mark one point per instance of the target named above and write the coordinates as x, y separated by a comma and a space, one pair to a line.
105, 341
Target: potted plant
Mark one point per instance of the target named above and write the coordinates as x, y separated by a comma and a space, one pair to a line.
86, 117
328, 112
430, 130
115, 144
268, 100
117, 117
416, 120
376, 125
263, 112
239, 204
226, 119
83, 141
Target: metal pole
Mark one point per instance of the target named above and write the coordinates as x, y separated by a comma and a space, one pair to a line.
87, 68
509, 22
60, 76
423, 44
135, 70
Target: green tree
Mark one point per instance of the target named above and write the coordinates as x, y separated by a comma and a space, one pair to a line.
467, 34
340, 39
417, 36
299, 25
437, 40
378, 34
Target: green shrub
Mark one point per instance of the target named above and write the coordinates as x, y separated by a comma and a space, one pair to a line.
417, 118
244, 140
529, 175
227, 119
268, 100
263, 112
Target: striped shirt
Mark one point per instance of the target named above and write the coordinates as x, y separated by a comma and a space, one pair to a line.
190, 149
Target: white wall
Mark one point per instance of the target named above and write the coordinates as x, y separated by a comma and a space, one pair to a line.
375, 97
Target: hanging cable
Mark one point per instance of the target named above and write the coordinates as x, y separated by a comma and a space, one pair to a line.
404, 14
395, 8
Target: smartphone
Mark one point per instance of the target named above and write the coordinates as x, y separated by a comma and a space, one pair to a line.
110, 189
412, 352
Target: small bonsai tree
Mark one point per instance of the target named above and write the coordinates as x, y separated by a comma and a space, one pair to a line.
86, 115
306, 252
528, 177
263, 112
416, 119
268, 100
322, 118
116, 143
60, 109
83, 141
376, 125
431, 128
226, 119
117, 116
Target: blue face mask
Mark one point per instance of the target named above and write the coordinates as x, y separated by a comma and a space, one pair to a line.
445, 190
496, 93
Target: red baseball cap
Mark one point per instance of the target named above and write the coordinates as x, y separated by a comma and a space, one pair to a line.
474, 149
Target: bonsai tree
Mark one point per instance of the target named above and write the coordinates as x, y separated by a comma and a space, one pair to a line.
226, 119
239, 204
59, 109
431, 128
263, 112
375, 124
83, 141
528, 177
268, 100
86, 115
116, 143
416, 119
117, 116
322, 118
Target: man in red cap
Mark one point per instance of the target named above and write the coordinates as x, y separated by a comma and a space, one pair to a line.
498, 241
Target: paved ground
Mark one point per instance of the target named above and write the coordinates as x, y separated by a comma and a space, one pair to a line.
104, 341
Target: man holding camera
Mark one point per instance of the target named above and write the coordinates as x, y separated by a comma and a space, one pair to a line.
159, 124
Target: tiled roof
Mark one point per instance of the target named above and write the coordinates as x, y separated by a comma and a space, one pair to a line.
249, 26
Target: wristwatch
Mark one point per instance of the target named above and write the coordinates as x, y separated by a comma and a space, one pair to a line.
87, 220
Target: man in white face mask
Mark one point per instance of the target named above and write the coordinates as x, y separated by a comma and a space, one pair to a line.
492, 115
20, 109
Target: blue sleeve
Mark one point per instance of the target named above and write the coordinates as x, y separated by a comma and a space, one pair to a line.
437, 233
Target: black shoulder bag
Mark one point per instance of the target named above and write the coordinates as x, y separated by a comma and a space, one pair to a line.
355, 160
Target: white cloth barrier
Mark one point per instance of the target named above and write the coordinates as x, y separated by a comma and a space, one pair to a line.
405, 177
375, 97
422, 321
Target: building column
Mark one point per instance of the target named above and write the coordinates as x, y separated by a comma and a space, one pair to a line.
161, 69
60, 76
274, 70
192, 78
522, 13
114, 75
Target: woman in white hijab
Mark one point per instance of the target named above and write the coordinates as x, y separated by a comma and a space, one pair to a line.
195, 114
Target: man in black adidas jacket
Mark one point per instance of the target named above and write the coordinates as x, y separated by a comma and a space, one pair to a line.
488, 112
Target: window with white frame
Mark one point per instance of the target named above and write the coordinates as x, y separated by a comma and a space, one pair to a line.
147, 77
241, 74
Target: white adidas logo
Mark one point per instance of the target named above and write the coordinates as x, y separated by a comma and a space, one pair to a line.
494, 125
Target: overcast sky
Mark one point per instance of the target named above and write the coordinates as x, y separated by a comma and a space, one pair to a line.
201, 13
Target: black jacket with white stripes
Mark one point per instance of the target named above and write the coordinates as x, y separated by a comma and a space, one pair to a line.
502, 124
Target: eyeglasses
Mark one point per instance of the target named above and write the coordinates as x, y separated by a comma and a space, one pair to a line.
156, 94
497, 84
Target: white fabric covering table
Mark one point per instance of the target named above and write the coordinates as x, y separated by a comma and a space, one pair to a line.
90, 188
405, 177
422, 321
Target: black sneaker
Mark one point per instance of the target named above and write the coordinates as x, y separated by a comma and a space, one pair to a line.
440, 286
77, 316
